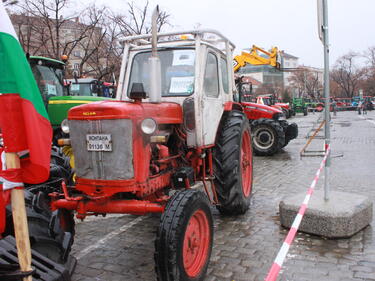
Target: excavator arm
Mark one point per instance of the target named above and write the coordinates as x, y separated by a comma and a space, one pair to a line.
253, 57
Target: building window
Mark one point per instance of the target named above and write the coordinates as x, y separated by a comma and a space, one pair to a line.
77, 54
76, 66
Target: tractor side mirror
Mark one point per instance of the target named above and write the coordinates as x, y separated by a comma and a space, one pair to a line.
94, 88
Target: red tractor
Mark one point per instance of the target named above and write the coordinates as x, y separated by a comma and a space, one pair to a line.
269, 129
174, 124
270, 100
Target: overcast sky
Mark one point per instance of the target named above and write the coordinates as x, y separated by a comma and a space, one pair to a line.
291, 25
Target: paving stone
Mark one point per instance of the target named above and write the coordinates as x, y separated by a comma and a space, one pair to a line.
245, 247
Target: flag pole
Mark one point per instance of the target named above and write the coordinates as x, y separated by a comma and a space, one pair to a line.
21, 229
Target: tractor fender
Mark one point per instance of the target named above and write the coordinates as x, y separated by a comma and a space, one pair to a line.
230, 105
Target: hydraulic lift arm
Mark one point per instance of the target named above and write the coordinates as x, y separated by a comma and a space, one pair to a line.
253, 57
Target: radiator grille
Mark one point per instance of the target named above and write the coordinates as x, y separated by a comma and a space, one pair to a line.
104, 165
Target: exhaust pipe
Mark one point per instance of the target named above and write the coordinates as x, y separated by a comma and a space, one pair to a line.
154, 61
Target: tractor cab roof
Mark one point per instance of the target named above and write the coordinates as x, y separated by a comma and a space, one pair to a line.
209, 37
47, 61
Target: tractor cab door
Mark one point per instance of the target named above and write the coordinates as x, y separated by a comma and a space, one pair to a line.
212, 96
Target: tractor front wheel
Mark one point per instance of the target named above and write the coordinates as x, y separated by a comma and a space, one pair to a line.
268, 137
184, 239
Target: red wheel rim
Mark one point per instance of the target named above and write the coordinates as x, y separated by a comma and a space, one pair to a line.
246, 164
196, 244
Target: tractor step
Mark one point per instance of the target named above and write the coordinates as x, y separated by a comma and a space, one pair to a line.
44, 268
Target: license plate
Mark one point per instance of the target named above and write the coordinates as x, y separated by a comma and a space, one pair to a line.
99, 142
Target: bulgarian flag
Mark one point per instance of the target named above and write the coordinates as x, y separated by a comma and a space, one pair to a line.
24, 122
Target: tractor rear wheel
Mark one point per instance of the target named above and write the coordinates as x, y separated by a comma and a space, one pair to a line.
233, 164
184, 239
268, 136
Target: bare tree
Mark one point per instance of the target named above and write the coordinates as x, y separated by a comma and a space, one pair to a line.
48, 23
25, 29
137, 20
370, 56
90, 38
347, 74
104, 52
369, 82
105, 63
306, 82
275, 88
9, 3
95, 33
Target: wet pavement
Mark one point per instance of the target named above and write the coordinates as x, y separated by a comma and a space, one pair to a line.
121, 247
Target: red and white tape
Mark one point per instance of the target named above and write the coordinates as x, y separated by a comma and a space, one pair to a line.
279, 260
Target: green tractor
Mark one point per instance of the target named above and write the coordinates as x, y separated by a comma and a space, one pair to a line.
49, 75
299, 106
310, 104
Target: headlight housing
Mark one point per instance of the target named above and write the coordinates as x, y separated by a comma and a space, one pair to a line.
279, 117
148, 126
65, 126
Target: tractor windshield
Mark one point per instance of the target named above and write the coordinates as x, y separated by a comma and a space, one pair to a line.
177, 71
49, 80
267, 101
82, 89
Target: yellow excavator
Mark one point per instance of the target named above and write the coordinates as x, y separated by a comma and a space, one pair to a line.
253, 57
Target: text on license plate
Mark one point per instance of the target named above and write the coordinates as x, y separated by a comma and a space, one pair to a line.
99, 142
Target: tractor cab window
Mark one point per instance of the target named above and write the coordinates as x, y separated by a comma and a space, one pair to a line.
83, 89
267, 101
211, 77
224, 74
177, 71
49, 80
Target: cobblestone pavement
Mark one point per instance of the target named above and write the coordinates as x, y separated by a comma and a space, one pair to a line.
122, 247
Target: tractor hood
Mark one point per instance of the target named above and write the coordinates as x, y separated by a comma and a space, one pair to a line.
255, 111
74, 99
162, 113
58, 106
260, 107
282, 104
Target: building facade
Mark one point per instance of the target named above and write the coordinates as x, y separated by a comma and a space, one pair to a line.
50, 38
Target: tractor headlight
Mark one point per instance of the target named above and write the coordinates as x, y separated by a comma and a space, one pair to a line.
65, 126
148, 126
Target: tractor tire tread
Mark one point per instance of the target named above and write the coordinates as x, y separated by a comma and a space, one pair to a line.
280, 136
166, 242
226, 163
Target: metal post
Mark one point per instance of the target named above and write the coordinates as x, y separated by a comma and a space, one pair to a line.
326, 95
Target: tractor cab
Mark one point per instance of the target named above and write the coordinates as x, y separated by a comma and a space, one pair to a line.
50, 78
90, 87
195, 72
49, 75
